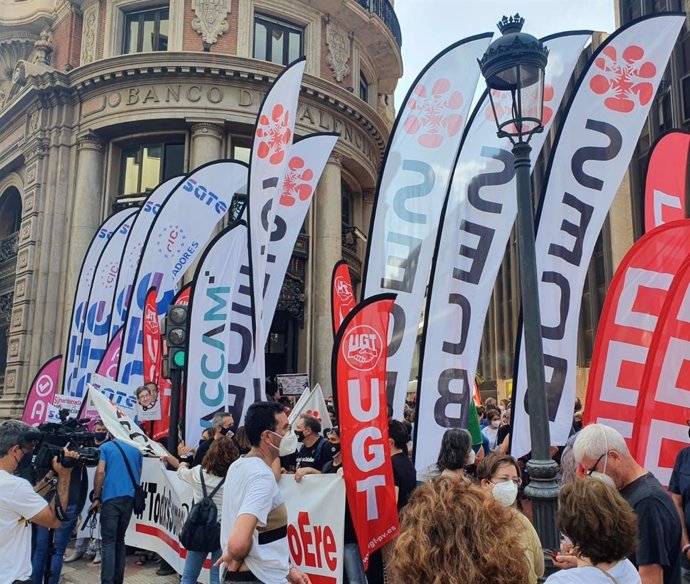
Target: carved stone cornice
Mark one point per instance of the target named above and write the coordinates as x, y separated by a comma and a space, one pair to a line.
336, 159
37, 148
90, 141
211, 18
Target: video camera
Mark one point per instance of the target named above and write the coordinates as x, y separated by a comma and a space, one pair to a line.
52, 438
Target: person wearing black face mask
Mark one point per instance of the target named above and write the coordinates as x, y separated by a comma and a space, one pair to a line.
21, 504
221, 424
315, 451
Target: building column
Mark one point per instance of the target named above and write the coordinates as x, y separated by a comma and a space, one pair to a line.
88, 199
327, 251
207, 143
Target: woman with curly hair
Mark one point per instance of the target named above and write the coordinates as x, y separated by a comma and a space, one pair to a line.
452, 533
214, 467
603, 529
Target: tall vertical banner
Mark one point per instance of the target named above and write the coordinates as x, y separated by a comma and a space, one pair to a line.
94, 340
476, 225
270, 153
359, 374
342, 295
211, 328
661, 428
182, 226
411, 190
152, 339
306, 160
632, 309
42, 391
665, 195
133, 249
108, 365
589, 159
81, 294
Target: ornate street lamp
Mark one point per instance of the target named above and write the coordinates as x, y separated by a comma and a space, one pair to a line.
513, 67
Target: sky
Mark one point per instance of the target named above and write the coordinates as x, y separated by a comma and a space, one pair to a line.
429, 26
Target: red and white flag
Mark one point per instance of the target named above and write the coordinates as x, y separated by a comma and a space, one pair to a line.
667, 174
661, 428
342, 294
632, 309
359, 374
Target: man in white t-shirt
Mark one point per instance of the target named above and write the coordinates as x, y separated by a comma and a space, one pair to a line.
21, 504
254, 521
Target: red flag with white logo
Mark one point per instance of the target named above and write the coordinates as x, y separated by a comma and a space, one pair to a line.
342, 294
667, 175
661, 428
359, 374
632, 308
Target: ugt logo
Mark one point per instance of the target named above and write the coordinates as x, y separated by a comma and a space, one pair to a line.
362, 348
342, 289
296, 182
274, 134
433, 113
623, 81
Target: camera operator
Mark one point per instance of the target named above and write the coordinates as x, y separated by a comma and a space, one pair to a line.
22, 504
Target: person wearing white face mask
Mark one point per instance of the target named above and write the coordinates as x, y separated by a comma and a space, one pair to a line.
491, 430
499, 476
602, 453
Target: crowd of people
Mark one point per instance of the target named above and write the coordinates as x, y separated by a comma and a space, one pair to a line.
465, 519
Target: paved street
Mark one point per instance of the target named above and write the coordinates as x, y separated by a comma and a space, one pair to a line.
84, 572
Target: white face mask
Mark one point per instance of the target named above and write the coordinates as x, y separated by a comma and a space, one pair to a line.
471, 457
602, 476
505, 493
496, 423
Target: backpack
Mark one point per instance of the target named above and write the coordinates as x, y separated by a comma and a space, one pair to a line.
201, 530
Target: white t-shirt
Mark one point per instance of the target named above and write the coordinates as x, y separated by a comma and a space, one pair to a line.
192, 476
251, 488
18, 504
624, 572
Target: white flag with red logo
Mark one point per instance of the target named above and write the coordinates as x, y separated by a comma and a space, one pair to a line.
269, 160
476, 226
411, 190
590, 157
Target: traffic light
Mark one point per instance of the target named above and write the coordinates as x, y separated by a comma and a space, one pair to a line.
176, 337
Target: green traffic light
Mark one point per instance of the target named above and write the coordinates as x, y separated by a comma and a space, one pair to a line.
179, 358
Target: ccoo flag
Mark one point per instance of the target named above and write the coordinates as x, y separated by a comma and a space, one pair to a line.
411, 190
182, 227
475, 228
589, 159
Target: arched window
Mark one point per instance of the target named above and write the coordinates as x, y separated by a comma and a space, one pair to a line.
10, 220
10, 212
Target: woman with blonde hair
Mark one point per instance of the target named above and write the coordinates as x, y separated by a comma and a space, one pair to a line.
452, 533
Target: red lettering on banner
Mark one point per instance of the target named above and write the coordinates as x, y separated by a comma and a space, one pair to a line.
311, 545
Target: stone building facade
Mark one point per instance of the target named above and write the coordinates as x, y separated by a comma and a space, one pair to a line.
102, 99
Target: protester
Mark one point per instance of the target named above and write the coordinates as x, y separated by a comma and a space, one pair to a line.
254, 522
113, 496
21, 504
602, 527
214, 468
241, 441
220, 426
679, 487
315, 450
456, 452
404, 474
499, 477
601, 451
450, 533
493, 417
90, 547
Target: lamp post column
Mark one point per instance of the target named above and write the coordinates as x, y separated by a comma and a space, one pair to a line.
542, 469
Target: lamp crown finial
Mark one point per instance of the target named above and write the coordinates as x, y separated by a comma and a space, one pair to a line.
511, 24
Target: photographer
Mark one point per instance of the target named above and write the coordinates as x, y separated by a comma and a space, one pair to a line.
21, 504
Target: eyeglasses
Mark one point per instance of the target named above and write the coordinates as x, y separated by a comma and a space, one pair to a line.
517, 481
596, 464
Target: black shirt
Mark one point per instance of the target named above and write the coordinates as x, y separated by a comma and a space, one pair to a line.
680, 485
404, 476
658, 526
314, 456
201, 451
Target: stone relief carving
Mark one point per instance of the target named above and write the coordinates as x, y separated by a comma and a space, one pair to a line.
43, 48
211, 18
338, 52
12, 51
88, 43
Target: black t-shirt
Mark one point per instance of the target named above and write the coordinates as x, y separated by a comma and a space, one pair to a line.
404, 476
658, 525
314, 456
201, 451
680, 485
